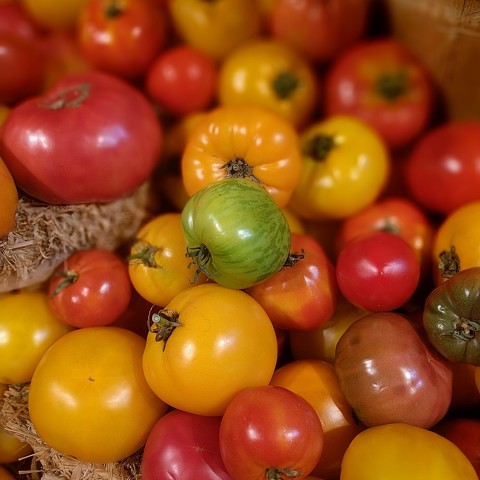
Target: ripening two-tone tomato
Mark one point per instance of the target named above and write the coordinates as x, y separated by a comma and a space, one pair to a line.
235, 233
243, 141
206, 345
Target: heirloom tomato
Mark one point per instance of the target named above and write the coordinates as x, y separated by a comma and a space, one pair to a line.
157, 264
122, 38
269, 432
316, 382
442, 171
319, 30
235, 233
389, 372
243, 141
399, 451
396, 215
206, 345
456, 242
90, 288
451, 317
303, 294
8, 200
89, 398
28, 327
345, 167
381, 82
184, 446
378, 271
182, 80
216, 27
271, 74
76, 142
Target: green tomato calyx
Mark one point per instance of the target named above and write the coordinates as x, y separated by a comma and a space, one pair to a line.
68, 97
239, 168
392, 85
284, 84
162, 324
114, 9
200, 256
294, 258
144, 255
465, 329
319, 146
69, 278
282, 473
449, 263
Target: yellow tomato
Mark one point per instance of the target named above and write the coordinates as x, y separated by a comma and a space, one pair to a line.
8, 200
272, 74
218, 27
28, 328
157, 264
206, 345
399, 451
456, 242
316, 382
243, 141
346, 166
294, 222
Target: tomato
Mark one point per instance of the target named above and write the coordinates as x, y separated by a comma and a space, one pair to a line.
15, 20
399, 451
216, 28
316, 382
184, 446
451, 317
319, 30
28, 328
381, 82
442, 171
122, 38
465, 434
243, 141
320, 343
90, 288
88, 385
378, 271
6, 474
235, 233
388, 372
465, 394
345, 168
182, 80
456, 242
75, 143
269, 432
393, 214
206, 345
8, 199
157, 264
303, 294
269, 73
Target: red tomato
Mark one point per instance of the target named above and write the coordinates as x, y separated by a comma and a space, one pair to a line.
381, 82
121, 37
303, 295
442, 172
91, 138
91, 288
182, 80
378, 271
14, 20
319, 30
184, 446
270, 432
389, 373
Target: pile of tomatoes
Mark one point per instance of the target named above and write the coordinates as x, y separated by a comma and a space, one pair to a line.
303, 299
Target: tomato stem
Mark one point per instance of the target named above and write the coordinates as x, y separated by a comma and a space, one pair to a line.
281, 473
449, 263
200, 257
69, 97
69, 278
392, 85
162, 324
293, 259
284, 84
114, 9
465, 329
319, 146
239, 168
145, 255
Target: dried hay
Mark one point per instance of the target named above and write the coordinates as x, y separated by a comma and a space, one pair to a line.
47, 463
45, 234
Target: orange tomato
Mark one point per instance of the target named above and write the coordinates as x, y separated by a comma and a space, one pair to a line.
8, 200
316, 382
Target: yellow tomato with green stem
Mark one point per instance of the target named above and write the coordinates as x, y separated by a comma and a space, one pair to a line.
346, 166
243, 141
272, 74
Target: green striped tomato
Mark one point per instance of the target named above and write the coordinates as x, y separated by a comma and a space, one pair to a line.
235, 233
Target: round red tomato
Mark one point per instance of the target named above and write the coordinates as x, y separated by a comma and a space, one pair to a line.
184, 446
442, 172
92, 137
182, 80
381, 82
270, 432
378, 271
303, 294
91, 288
